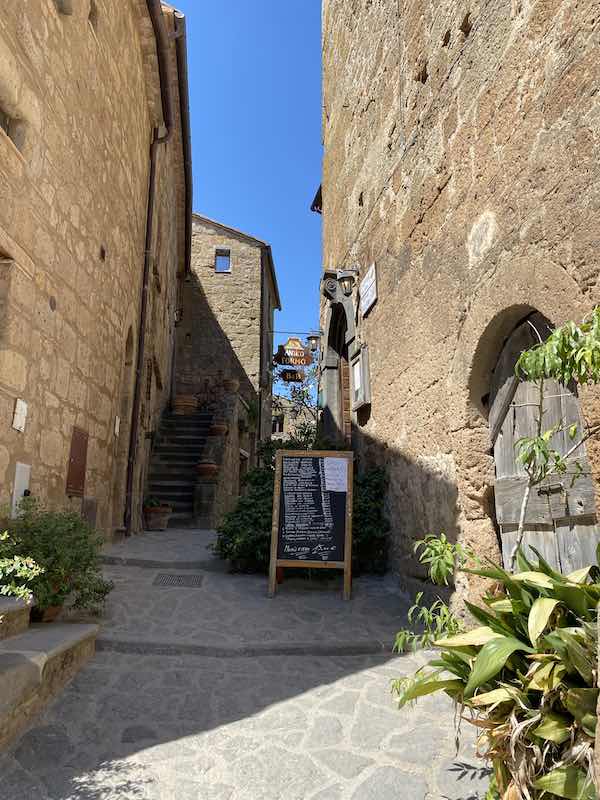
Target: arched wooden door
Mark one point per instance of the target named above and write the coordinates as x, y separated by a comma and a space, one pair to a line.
561, 513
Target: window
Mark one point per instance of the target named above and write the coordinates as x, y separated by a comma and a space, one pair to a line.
278, 424
223, 261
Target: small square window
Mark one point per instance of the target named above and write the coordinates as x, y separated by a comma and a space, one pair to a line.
223, 261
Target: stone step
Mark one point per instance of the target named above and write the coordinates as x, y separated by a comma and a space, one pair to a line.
183, 495
173, 482
35, 666
14, 617
175, 473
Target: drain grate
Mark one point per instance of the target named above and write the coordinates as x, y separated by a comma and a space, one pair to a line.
187, 581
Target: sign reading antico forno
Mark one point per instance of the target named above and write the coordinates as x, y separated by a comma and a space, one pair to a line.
293, 354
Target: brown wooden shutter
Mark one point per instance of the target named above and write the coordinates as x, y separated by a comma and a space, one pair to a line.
77, 463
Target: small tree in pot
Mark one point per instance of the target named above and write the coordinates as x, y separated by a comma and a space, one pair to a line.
157, 514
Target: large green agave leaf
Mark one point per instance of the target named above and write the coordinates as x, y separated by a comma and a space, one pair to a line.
554, 728
491, 659
539, 615
578, 656
421, 685
537, 579
473, 638
569, 782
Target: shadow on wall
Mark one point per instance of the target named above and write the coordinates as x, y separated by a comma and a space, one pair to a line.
204, 354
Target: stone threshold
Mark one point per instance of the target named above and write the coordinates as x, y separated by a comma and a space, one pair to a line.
208, 565
367, 647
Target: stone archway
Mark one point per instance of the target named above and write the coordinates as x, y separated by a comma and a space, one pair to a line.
340, 344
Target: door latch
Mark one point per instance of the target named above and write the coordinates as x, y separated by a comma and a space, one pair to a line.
552, 488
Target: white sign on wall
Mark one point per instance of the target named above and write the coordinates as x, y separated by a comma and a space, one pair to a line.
368, 290
21, 485
20, 416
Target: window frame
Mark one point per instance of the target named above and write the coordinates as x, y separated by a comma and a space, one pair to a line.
222, 252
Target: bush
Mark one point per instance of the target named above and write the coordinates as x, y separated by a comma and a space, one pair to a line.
370, 527
16, 571
244, 537
528, 677
68, 551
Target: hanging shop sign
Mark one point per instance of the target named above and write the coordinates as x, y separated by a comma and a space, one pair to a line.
292, 375
293, 354
368, 290
312, 513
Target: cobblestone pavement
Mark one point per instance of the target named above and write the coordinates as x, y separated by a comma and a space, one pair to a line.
232, 711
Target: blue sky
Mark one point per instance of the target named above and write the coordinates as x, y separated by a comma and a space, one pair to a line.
255, 97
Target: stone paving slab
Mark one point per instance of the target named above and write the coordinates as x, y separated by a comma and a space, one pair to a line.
285, 712
272, 728
236, 611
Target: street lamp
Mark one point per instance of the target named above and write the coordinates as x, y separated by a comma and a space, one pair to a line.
346, 280
314, 340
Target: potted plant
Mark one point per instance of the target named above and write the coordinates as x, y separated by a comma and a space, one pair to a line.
219, 427
157, 514
184, 404
67, 549
207, 469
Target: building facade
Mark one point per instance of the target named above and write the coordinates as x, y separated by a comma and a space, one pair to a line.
290, 419
462, 161
230, 297
94, 231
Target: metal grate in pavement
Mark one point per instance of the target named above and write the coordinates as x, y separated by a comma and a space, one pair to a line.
186, 581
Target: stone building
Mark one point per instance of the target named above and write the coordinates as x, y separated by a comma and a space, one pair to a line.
229, 300
290, 419
95, 224
462, 159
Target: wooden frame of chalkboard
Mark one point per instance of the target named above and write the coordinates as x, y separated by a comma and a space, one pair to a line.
338, 504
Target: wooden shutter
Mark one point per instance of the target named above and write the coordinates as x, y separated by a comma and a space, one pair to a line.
560, 519
77, 463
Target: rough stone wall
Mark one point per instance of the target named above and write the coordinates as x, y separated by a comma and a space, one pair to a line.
220, 336
462, 152
73, 191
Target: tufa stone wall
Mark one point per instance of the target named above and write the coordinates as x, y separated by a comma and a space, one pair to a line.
226, 332
462, 154
74, 171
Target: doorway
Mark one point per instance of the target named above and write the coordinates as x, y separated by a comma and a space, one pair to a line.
560, 519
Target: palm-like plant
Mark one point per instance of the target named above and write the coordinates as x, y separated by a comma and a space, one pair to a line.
527, 678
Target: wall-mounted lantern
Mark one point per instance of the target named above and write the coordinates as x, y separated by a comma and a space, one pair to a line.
347, 279
313, 340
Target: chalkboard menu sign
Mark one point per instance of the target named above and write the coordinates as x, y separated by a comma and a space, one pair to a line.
312, 512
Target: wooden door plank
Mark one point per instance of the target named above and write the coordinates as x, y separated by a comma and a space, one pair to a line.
577, 544
542, 537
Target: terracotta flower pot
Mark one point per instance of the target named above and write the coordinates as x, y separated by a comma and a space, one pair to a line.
185, 404
45, 614
207, 470
157, 517
219, 428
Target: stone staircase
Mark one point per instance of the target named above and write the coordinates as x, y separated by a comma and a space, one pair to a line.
36, 662
172, 479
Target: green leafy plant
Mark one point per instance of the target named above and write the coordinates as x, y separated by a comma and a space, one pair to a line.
527, 676
154, 502
370, 527
68, 551
16, 571
441, 557
433, 621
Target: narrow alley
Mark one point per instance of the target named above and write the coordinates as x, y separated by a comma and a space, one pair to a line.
203, 687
